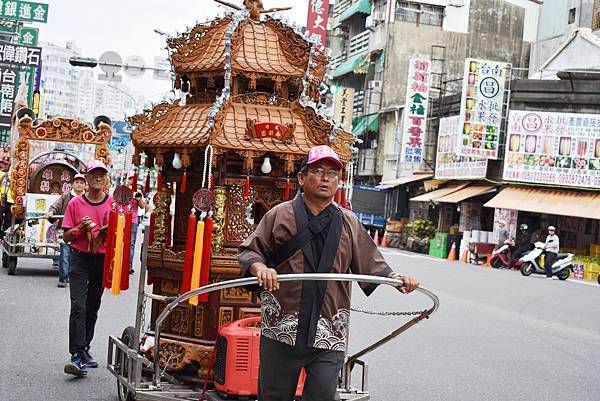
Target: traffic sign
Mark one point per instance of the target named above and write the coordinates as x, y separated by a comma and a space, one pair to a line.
27, 11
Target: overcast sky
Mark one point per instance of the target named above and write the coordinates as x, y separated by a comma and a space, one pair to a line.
126, 26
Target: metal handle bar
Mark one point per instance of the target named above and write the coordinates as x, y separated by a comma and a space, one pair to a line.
22, 223
292, 277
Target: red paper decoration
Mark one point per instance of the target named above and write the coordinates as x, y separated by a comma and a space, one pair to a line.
183, 182
286, 194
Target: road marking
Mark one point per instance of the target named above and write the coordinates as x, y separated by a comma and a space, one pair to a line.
584, 282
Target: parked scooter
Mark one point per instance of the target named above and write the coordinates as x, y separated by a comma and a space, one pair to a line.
531, 263
502, 256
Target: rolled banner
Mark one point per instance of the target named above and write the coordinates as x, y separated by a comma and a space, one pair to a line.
188, 264
110, 249
197, 267
206, 251
118, 259
126, 252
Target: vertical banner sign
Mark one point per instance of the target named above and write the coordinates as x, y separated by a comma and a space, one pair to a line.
481, 107
415, 109
8, 91
553, 148
28, 37
448, 163
316, 25
343, 103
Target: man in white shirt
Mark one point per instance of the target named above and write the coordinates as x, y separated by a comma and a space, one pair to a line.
552, 247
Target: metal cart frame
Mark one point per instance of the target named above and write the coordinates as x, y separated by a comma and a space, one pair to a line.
12, 249
128, 366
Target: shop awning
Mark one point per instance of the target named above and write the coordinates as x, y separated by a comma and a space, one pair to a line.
562, 203
359, 6
435, 195
466, 193
403, 180
350, 65
365, 123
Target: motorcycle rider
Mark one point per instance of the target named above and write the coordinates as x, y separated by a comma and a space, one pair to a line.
552, 248
522, 243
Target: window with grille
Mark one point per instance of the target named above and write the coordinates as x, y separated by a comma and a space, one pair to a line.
425, 14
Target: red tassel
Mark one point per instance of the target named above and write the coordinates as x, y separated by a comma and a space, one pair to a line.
212, 182
286, 194
247, 186
337, 196
183, 182
134, 183
126, 252
206, 251
147, 184
159, 183
152, 223
188, 264
343, 197
110, 249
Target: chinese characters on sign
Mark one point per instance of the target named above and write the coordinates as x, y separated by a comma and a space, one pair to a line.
553, 148
316, 26
448, 163
482, 107
24, 11
343, 103
20, 55
8, 92
415, 109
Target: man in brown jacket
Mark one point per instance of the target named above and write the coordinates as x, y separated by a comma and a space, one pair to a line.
58, 208
305, 323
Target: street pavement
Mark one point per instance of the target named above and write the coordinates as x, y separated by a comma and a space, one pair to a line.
497, 336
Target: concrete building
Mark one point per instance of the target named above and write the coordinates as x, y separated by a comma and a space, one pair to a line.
562, 22
372, 42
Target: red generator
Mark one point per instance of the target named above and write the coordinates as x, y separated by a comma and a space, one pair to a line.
237, 359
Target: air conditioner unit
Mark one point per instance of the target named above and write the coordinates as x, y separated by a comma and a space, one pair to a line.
374, 84
378, 16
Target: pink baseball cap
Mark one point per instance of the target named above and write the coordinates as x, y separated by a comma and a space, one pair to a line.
79, 177
323, 152
96, 165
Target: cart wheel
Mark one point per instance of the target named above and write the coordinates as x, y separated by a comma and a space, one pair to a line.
4, 260
12, 265
123, 391
564, 274
527, 269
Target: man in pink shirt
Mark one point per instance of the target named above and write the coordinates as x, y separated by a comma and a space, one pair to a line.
137, 202
85, 223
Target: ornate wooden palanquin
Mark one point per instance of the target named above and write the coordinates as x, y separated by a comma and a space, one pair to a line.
263, 117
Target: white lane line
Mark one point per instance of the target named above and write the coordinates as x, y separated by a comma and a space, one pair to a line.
584, 282
410, 255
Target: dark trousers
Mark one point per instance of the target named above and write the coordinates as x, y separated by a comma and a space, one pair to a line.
549, 260
281, 365
85, 278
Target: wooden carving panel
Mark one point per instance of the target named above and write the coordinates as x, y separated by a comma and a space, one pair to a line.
181, 320
236, 294
199, 322
170, 286
248, 312
238, 228
225, 315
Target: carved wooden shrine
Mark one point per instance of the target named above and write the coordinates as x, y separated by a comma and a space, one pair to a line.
252, 86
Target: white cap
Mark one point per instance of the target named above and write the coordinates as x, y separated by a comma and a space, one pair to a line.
502, 222
551, 228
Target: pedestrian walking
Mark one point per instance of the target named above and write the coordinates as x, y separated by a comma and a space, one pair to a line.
85, 223
305, 323
59, 207
138, 202
503, 234
552, 249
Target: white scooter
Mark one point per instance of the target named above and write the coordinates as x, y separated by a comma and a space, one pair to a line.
531, 263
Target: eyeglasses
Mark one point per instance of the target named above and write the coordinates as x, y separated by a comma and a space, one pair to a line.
320, 172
